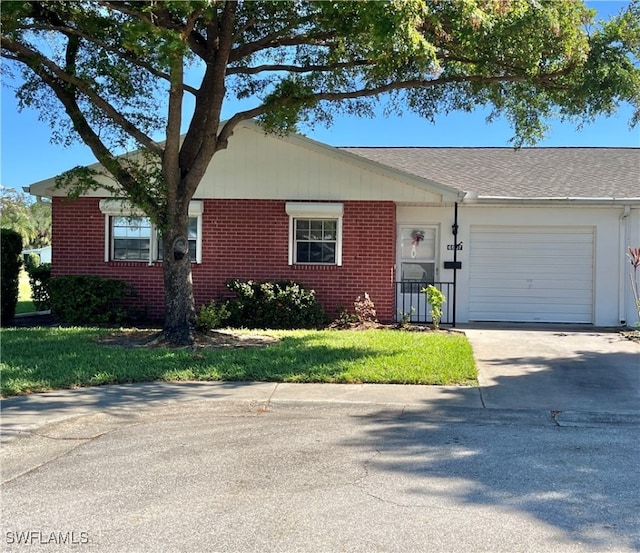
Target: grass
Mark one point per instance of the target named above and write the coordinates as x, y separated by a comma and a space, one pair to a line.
24, 305
42, 359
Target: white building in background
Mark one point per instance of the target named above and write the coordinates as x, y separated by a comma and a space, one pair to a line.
44, 253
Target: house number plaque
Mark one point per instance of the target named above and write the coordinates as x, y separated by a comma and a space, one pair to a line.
451, 247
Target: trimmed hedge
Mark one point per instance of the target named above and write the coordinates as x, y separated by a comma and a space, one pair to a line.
11, 261
283, 304
89, 299
39, 277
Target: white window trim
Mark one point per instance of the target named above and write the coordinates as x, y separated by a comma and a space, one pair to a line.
312, 210
124, 208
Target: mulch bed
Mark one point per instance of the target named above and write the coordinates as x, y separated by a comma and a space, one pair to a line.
152, 336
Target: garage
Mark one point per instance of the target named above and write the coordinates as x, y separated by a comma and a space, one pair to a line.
531, 274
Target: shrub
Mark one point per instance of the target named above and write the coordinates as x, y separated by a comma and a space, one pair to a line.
39, 277
435, 298
11, 260
88, 299
405, 317
344, 319
277, 304
365, 309
31, 260
212, 316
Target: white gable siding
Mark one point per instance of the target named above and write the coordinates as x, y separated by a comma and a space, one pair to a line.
260, 166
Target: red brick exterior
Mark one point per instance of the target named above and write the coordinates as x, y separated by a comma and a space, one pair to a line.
245, 239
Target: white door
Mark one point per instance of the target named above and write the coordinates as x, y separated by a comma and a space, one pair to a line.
531, 274
417, 267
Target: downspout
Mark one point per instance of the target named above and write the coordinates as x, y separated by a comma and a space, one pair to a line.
454, 229
622, 284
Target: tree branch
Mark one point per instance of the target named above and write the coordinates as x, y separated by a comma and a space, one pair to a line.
244, 29
124, 54
198, 147
232, 123
111, 163
276, 40
43, 66
244, 70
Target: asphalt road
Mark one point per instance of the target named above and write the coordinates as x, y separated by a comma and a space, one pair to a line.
542, 457
310, 476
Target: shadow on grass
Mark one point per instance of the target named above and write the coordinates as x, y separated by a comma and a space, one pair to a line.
42, 359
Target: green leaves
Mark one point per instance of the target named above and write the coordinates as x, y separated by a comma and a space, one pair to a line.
120, 72
436, 299
32, 220
306, 61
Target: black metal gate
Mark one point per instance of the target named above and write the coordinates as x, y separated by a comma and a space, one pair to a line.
412, 306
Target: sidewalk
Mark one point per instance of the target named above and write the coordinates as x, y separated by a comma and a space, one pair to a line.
576, 375
24, 413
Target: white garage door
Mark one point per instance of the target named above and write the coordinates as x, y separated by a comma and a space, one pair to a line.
531, 274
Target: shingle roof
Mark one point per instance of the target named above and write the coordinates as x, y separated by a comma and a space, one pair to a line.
525, 173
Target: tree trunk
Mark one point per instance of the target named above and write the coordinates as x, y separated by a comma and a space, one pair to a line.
179, 307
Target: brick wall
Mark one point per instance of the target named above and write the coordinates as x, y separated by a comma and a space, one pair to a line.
242, 239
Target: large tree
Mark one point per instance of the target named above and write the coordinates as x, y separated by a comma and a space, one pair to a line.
123, 72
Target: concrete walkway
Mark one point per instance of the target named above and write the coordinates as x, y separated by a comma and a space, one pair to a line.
24, 413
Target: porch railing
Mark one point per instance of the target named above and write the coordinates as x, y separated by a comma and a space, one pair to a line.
411, 302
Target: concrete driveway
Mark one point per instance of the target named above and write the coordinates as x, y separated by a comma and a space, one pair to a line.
556, 368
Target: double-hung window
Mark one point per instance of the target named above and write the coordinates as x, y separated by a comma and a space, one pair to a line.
315, 233
131, 238
192, 235
130, 235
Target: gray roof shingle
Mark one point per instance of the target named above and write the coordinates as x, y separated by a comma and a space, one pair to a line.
526, 173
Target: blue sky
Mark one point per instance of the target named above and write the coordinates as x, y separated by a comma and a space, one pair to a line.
27, 156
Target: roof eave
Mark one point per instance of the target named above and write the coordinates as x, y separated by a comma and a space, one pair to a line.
514, 200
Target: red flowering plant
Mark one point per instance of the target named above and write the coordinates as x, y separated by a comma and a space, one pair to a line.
634, 257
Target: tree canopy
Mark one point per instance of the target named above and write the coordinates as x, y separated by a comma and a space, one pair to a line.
31, 219
137, 75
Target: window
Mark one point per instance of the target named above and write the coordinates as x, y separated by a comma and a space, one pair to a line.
315, 233
315, 240
130, 235
131, 238
193, 240
417, 257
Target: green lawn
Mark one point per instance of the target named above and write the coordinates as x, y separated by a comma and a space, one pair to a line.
24, 305
41, 359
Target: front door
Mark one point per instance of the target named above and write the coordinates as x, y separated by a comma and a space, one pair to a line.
417, 267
